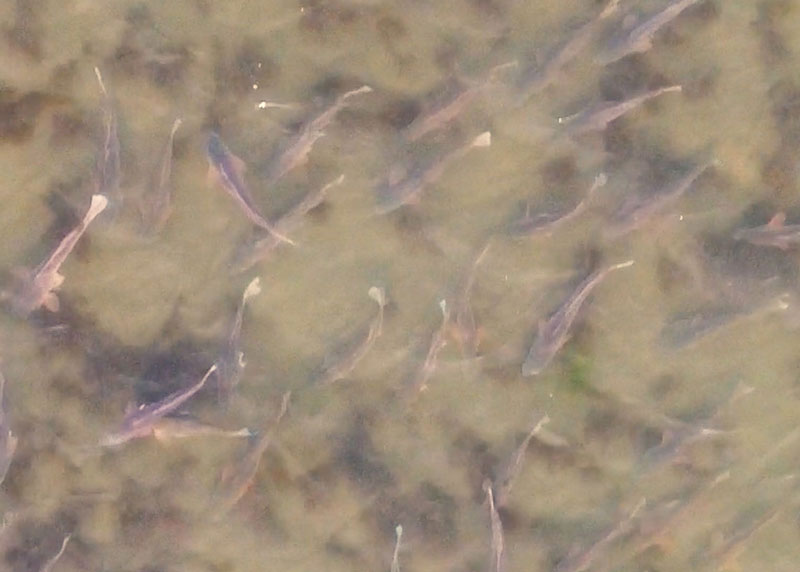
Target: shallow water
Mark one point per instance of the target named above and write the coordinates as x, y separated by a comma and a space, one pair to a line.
142, 317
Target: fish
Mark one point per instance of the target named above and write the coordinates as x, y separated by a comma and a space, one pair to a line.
231, 363
726, 556
168, 428
422, 373
509, 474
339, 367
237, 479
228, 170
540, 77
51, 562
775, 233
156, 207
546, 224
640, 39
141, 421
295, 151
392, 195
448, 105
398, 532
498, 559
36, 289
465, 328
8, 441
259, 250
555, 332
598, 116
108, 163
636, 210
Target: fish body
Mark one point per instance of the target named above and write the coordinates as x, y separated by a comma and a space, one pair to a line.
339, 367
295, 151
168, 428
466, 330
392, 195
156, 205
421, 375
8, 441
543, 76
775, 233
529, 226
260, 249
237, 479
635, 211
555, 332
108, 162
597, 117
228, 169
231, 363
141, 421
38, 288
640, 39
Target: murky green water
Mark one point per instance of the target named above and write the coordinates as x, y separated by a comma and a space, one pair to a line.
692, 331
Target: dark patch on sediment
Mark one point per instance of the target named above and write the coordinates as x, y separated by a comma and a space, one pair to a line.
19, 113
359, 459
24, 35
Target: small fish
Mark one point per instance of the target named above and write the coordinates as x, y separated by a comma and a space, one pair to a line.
228, 170
421, 375
448, 105
726, 556
141, 421
398, 531
640, 39
393, 195
598, 116
543, 76
48, 566
108, 163
636, 210
156, 206
545, 224
168, 428
465, 328
339, 367
231, 363
237, 479
497, 560
775, 233
555, 332
37, 289
512, 469
295, 151
259, 250
8, 441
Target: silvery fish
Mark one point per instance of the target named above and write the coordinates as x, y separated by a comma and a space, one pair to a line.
422, 373
231, 363
140, 422
540, 77
775, 233
295, 151
37, 288
228, 170
338, 366
156, 204
392, 195
259, 250
555, 332
640, 39
597, 117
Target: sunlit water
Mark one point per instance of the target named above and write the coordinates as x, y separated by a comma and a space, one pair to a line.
694, 330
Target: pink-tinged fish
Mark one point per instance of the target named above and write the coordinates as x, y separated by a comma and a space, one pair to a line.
555, 332
108, 164
231, 363
228, 170
638, 209
156, 204
546, 224
338, 366
463, 322
508, 474
257, 251
36, 289
238, 478
640, 39
540, 77
51, 562
392, 195
423, 372
775, 233
169, 428
8, 441
455, 98
295, 151
597, 117
140, 422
